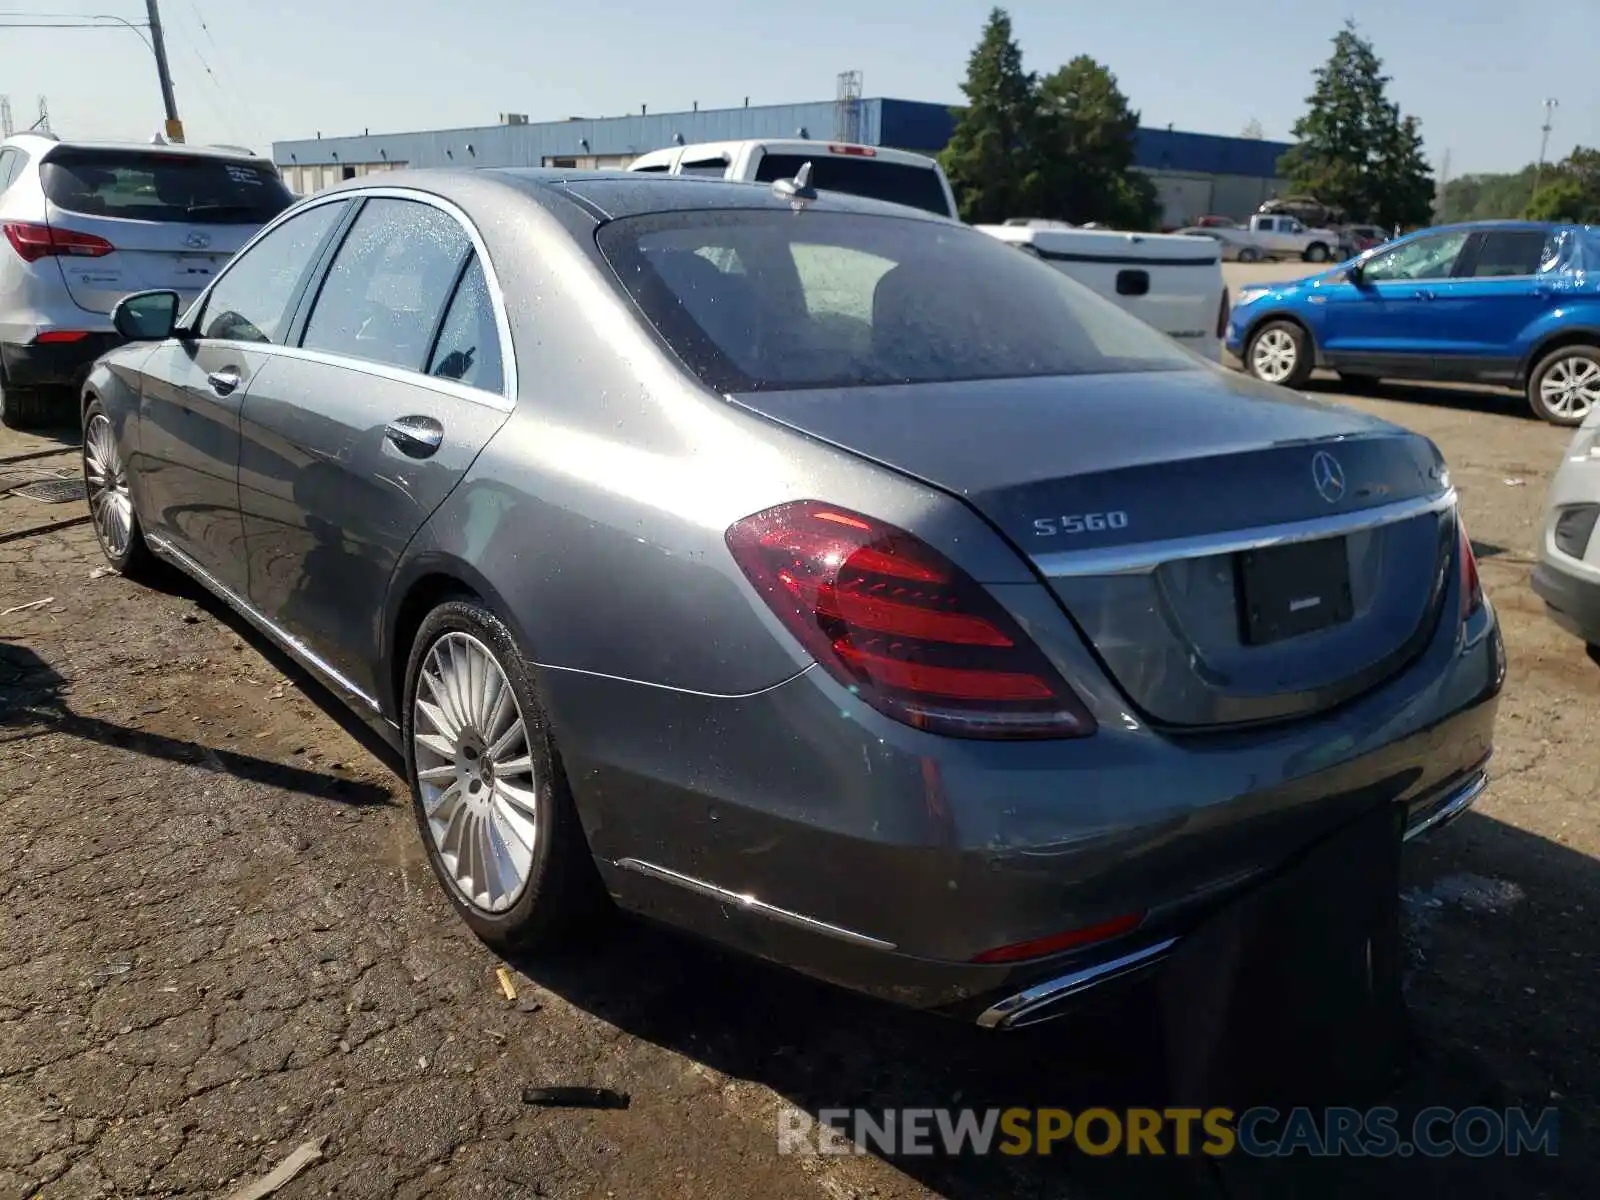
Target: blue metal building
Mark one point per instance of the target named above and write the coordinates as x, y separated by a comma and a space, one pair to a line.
1195, 173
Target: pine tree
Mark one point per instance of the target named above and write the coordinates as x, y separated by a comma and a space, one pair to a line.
991, 156
1354, 151
1086, 145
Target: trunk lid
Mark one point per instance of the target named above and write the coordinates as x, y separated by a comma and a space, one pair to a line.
1183, 519
174, 219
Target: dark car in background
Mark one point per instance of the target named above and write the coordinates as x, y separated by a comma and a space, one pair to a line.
820, 576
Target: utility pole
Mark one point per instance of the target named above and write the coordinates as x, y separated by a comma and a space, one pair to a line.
159, 45
1550, 107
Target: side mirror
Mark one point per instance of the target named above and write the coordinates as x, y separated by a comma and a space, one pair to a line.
146, 316
1352, 274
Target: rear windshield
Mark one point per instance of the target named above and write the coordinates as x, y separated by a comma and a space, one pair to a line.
918, 187
139, 186
767, 300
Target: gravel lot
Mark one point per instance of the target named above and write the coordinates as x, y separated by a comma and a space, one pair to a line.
219, 938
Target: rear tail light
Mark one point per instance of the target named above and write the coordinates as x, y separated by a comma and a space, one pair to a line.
1057, 942
33, 242
1223, 311
859, 151
1471, 588
61, 335
901, 626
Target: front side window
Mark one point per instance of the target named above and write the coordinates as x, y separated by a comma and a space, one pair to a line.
1430, 257
142, 185
250, 302
388, 285
468, 349
841, 300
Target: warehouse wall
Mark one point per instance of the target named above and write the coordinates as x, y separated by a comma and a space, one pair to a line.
530, 145
1186, 196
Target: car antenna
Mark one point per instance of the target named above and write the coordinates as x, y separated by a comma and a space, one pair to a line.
797, 190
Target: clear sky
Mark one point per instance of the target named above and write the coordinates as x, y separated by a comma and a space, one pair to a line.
1475, 71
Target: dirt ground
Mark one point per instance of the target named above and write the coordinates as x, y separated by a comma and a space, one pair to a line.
219, 938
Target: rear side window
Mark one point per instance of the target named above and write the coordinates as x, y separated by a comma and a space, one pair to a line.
769, 299
1510, 252
859, 175
382, 298
139, 186
714, 167
468, 349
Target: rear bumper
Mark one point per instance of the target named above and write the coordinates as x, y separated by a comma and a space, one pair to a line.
1571, 596
798, 827
48, 364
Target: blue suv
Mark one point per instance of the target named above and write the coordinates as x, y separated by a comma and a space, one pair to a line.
1509, 302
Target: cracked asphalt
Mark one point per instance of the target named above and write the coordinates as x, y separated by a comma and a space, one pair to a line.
219, 938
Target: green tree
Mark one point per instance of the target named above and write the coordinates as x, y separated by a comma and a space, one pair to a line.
1486, 196
1353, 149
1570, 191
1086, 143
991, 156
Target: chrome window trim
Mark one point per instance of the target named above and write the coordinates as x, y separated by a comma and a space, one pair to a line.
1143, 557
446, 387
504, 399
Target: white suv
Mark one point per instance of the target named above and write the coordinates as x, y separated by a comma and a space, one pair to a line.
85, 224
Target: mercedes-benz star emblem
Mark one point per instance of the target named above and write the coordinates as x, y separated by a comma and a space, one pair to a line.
1328, 475
197, 241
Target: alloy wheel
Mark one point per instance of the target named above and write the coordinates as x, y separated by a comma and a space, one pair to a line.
1273, 356
475, 772
110, 505
1571, 387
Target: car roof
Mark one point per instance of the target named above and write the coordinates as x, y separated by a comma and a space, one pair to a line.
180, 149
1476, 226
619, 193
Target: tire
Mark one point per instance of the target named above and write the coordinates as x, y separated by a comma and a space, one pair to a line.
559, 893
1316, 252
1279, 352
1249, 254
110, 501
1564, 387
28, 408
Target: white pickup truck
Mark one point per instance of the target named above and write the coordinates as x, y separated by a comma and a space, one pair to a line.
877, 172
1278, 236
1173, 283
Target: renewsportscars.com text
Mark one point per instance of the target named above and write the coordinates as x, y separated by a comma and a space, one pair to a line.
1216, 1132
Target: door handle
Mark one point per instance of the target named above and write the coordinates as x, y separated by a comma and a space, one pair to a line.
1425, 295
224, 381
415, 437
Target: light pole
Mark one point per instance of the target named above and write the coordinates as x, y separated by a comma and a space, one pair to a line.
1550, 107
159, 45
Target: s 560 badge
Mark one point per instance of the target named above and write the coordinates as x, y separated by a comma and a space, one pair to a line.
1092, 522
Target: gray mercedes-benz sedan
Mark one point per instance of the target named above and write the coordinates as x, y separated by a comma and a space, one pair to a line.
821, 576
